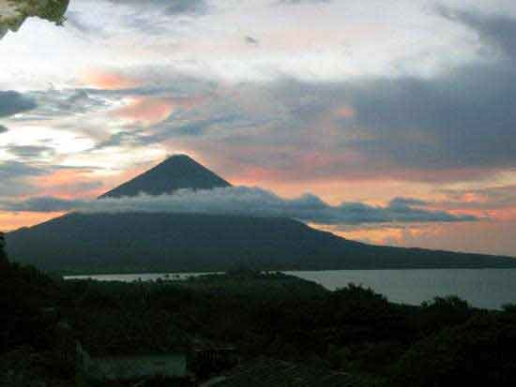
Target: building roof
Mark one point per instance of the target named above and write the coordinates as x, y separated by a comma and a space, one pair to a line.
272, 373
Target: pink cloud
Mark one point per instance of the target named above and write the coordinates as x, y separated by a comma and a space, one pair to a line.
152, 110
109, 80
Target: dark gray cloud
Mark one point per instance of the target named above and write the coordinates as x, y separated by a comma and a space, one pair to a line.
43, 204
457, 125
12, 102
15, 169
15, 177
57, 103
499, 32
246, 201
304, 1
18, 178
119, 139
252, 41
407, 202
184, 6
170, 7
30, 152
464, 119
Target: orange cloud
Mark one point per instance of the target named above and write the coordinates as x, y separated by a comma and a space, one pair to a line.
345, 112
501, 215
489, 237
109, 80
151, 110
10, 221
382, 235
68, 184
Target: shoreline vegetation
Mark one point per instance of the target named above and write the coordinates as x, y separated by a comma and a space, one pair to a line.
353, 330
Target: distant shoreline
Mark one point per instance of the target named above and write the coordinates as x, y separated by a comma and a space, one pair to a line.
486, 288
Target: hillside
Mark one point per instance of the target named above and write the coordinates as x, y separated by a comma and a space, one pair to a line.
156, 242
147, 242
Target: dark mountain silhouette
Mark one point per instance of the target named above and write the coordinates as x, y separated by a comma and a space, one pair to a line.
146, 242
177, 172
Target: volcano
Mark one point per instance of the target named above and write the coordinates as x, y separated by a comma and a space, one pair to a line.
177, 172
137, 242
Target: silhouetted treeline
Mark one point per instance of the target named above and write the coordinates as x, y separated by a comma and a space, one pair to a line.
443, 342
352, 329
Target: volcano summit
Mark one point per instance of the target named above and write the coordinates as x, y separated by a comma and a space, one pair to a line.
137, 241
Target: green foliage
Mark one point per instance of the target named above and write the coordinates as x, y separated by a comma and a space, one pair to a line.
24, 295
442, 312
3, 254
55, 11
509, 309
444, 342
481, 351
51, 10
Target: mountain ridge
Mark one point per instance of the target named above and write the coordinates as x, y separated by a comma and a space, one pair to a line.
140, 242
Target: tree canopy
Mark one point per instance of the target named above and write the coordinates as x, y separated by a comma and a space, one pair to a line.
3, 254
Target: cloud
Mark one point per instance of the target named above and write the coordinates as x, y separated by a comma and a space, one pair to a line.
170, 7
407, 202
12, 102
462, 119
15, 169
293, 2
148, 110
252, 41
30, 151
456, 125
66, 102
498, 198
15, 177
496, 31
184, 6
245, 201
3, 129
43, 204
109, 80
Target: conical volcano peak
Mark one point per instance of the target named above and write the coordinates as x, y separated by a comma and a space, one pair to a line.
179, 157
176, 172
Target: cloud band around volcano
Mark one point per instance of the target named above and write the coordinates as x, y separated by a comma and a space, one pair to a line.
247, 201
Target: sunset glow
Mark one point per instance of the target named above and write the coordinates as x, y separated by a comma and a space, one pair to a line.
364, 104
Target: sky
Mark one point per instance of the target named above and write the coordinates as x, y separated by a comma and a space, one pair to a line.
385, 122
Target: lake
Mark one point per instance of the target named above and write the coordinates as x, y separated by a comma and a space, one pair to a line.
485, 288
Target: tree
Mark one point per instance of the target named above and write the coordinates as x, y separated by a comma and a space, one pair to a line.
3, 254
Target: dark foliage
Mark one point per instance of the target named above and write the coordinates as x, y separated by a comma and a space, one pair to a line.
481, 351
444, 342
3, 254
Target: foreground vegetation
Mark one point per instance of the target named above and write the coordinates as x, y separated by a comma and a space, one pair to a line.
443, 342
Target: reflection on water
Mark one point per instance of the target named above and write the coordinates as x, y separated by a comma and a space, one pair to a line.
13, 13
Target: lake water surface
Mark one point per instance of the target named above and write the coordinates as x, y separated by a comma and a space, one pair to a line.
486, 288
